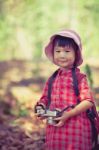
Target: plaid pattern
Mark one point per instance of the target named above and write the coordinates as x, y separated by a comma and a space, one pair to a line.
76, 133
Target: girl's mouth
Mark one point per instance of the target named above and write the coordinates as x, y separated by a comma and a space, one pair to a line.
62, 61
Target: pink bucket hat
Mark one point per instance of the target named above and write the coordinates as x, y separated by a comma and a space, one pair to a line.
65, 33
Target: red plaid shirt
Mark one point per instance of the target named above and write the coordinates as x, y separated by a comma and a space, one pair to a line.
76, 133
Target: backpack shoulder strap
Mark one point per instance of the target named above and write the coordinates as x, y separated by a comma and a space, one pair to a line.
50, 83
75, 84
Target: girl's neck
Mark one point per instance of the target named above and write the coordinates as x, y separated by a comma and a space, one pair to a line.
66, 69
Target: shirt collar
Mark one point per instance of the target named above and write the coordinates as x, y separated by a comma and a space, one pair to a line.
63, 71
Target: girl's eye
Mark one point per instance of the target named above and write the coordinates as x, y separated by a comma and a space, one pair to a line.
67, 51
57, 51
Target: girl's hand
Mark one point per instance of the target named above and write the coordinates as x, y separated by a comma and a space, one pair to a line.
39, 117
61, 120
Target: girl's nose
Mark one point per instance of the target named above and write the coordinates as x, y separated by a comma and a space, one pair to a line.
62, 54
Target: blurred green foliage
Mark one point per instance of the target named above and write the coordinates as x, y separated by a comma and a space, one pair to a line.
25, 25
88, 72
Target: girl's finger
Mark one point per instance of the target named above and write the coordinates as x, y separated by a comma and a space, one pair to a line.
59, 124
58, 118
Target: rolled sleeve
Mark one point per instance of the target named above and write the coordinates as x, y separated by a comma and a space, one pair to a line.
85, 90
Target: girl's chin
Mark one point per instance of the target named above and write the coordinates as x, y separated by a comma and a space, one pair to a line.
65, 66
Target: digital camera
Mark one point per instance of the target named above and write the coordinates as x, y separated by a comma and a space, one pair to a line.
50, 115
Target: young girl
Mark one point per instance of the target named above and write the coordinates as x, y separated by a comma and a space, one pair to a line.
73, 129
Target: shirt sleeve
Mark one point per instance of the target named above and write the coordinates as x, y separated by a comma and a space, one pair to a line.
85, 90
44, 98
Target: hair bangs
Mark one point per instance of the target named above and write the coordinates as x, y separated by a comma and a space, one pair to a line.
65, 42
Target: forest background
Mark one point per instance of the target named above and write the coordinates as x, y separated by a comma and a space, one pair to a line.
25, 27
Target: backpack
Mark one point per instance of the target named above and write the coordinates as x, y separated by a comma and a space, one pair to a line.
91, 113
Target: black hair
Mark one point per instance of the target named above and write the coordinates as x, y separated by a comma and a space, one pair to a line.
65, 41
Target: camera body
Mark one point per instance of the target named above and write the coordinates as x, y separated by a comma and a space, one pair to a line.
48, 114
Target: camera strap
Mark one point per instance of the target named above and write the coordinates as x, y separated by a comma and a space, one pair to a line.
50, 83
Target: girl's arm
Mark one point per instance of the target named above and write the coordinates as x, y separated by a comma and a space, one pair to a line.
42, 103
81, 107
44, 98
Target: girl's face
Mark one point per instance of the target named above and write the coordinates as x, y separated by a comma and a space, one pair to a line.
64, 56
